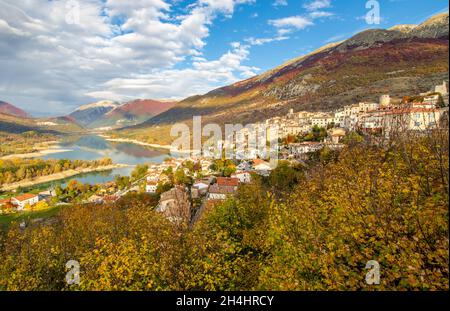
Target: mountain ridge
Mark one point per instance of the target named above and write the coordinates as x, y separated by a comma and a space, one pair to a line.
363, 67
7, 108
114, 114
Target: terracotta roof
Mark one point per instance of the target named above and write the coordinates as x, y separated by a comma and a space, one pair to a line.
222, 189
26, 196
230, 182
259, 161
5, 201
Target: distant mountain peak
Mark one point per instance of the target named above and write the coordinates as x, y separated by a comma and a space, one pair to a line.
7, 108
103, 103
89, 113
435, 27
406, 28
107, 113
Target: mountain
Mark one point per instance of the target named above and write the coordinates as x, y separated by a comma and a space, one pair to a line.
87, 114
6, 108
64, 124
132, 113
19, 124
406, 59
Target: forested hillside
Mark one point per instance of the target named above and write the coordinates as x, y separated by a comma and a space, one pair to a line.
307, 227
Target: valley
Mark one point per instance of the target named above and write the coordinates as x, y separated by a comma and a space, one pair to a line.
344, 164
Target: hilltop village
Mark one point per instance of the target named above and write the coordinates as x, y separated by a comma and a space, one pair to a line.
186, 186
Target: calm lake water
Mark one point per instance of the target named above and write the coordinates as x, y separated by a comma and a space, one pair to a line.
95, 147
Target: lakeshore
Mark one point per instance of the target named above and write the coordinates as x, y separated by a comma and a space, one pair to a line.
36, 154
136, 142
141, 143
59, 176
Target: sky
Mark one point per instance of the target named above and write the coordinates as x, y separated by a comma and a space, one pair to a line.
56, 55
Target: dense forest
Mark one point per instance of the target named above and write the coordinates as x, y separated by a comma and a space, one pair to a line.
19, 169
312, 226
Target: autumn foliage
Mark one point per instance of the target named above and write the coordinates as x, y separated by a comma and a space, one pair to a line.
388, 204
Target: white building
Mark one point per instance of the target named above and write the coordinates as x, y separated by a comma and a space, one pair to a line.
385, 100
322, 120
261, 165
244, 166
430, 101
217, 192
299, 149
199, 188
441, 89
401, 119
243, 176
23, 200
151, 187
364, 106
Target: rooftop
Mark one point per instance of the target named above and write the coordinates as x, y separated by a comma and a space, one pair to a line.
229, 182
222, 189
26, 196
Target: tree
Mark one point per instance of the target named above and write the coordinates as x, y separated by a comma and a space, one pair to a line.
284, 177
180, 178
139, 172
41, 205
352, 138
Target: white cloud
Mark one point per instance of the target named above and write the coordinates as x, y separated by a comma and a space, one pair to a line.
182, 82
320, 14
317, 5
46, 62
289, 24
262, 41
280, 3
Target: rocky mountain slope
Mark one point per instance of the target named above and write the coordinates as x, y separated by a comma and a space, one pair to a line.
405, 59
116, 115
87, 114
15, 120
6, 108
132, 113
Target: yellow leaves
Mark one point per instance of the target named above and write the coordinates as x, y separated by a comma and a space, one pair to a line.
369, 205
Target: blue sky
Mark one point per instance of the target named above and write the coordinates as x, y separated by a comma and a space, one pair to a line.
346, 21
60, 54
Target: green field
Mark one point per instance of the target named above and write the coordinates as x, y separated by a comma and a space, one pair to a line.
5, 220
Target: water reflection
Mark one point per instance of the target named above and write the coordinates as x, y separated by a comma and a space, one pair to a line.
95, 147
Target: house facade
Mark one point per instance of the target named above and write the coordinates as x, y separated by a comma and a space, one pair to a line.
151, 187
175, 205
220, 193
243, 176
20, 202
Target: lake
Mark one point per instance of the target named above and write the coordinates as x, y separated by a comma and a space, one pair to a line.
95, 147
